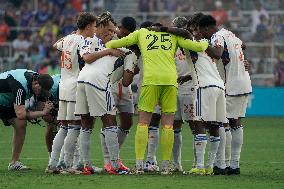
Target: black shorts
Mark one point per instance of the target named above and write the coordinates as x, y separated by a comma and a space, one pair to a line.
7, 113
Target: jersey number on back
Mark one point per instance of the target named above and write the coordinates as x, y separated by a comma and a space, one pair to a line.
165, 39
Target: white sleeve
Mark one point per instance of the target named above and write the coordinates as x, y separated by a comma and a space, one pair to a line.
85, 46
59, 45
217, 40
130, 62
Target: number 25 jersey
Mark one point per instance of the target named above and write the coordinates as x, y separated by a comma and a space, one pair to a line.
158, 54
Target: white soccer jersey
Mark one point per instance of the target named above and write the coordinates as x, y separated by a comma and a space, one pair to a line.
237, 80
206, 71
102, 73
70, 61
184, 68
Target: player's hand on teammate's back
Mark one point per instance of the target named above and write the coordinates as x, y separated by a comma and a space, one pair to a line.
117, 53
47, 107
183, 79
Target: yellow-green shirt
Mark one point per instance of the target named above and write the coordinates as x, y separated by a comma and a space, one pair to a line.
158, 53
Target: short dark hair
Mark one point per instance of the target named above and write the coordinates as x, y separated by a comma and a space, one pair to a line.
206, 20
105, 18
146, 24
45, 81
194, 20
129, 23
84, 19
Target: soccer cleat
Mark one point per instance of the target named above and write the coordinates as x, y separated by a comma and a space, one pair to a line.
116, 171
196, 171
151, 167
97, 169
61, 165
236, 171
136, 171
52, 170
166, 168
88, 170
209, 171
177, 168
18, 166
219, 171
121, 166
70, 171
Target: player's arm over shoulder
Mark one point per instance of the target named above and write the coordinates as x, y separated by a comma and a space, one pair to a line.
130, 62
197, 46
129, 40
217, 47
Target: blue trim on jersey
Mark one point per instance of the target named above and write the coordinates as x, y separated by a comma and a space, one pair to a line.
101, 89
67, 101
237, 95
212, 86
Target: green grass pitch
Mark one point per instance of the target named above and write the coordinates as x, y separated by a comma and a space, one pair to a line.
262, 162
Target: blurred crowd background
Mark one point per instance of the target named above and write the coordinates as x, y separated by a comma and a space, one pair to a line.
28, 28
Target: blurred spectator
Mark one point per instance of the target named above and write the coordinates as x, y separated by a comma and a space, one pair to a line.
68, 27
234, 15
20, 62
279, 71
220, 14
69, 11
10, 19
184, 6
4, 31
49, 31
26, 16
256, 16
35, 57
144, 5
21, 45
98, 6
42, 15
262, 33
59, 3
77, 5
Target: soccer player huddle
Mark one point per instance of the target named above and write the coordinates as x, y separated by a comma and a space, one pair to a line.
190, 73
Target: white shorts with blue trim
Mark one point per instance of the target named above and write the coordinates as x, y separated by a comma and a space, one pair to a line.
211, 104
94, 101
66, 111
186, 107
236, 106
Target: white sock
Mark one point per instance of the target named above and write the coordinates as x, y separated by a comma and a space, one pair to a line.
121, 134
236, 146
61, 157
85, 135
111, 141
213, 148
104, 148
57, 145
194, 153
220, 156
200, 142
153, 140
228, 147
76, 159
70, 144
177, 147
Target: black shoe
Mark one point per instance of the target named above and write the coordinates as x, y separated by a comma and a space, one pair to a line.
234, 171
218, 171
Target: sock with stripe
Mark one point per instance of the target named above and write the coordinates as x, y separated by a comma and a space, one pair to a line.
122, 135
177, 147
213, 148
167, 141
200, 142
141, 139
153, 141
85, 135
220, 156
104, 148
236, 146
58, 142
112, 145
228, 146
70, 144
